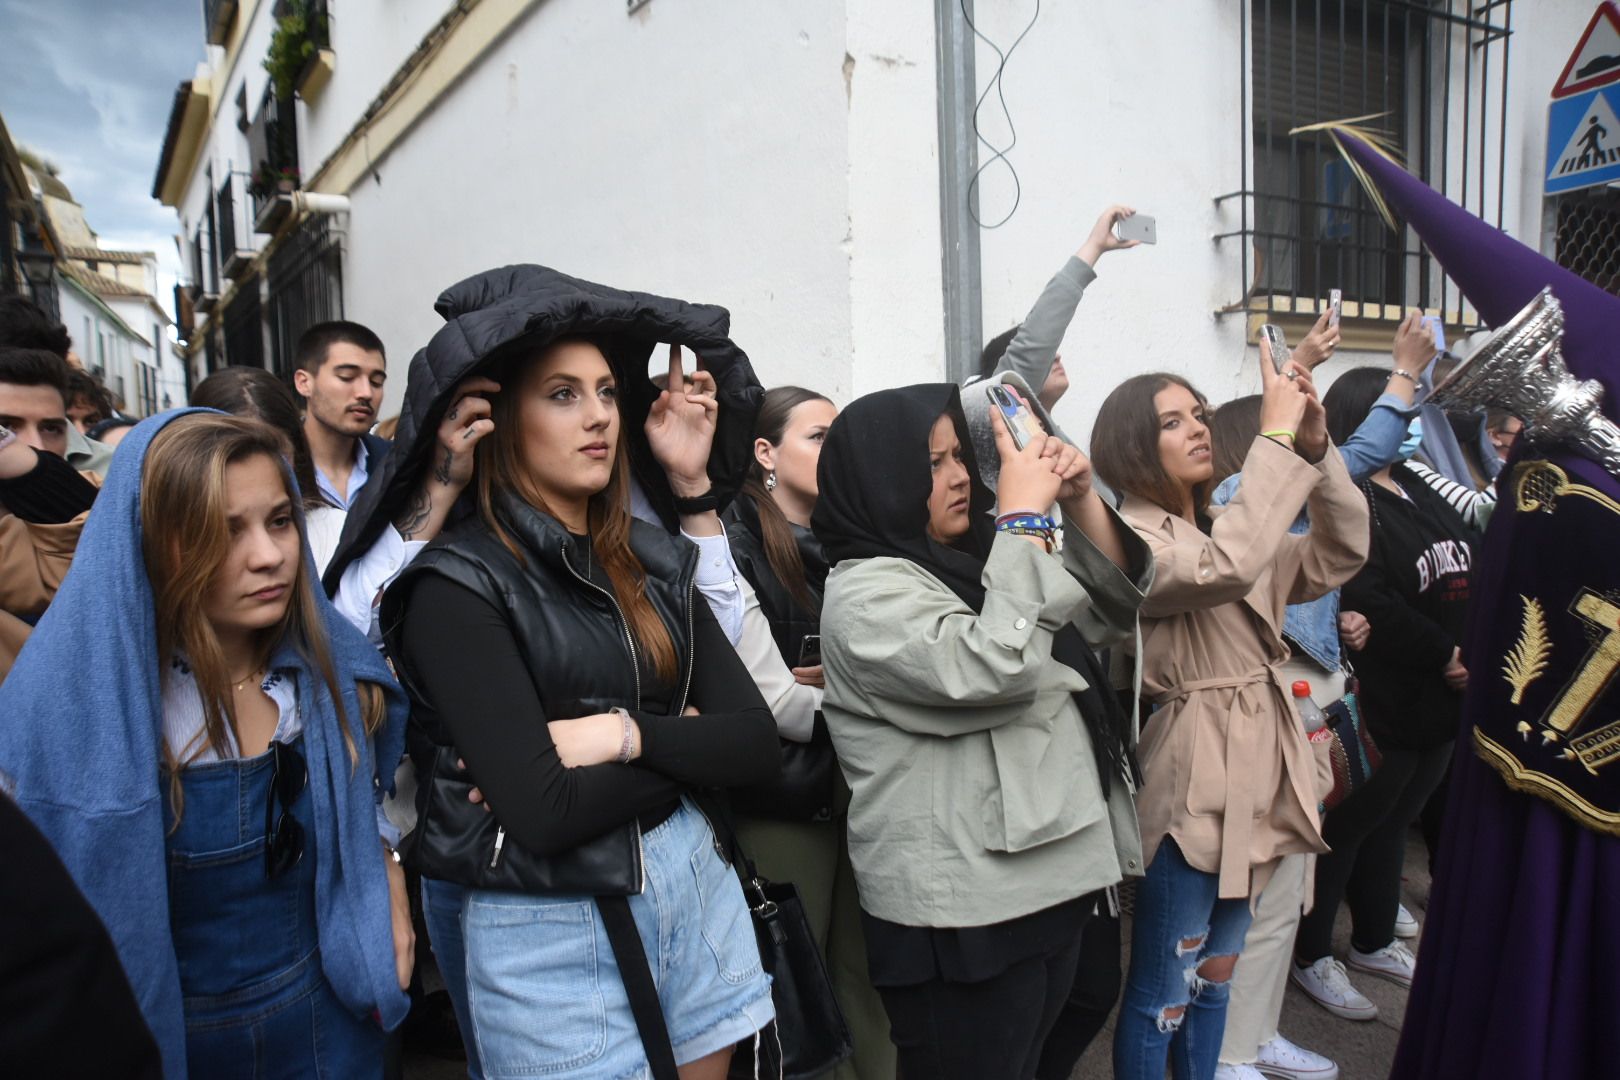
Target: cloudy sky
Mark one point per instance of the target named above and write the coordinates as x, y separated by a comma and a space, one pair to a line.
88, 85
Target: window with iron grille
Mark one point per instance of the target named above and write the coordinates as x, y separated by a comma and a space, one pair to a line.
1431, 75
306, 287
244, 328
1588, 232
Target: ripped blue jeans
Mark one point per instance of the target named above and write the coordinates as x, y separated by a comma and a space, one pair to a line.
1168, 1009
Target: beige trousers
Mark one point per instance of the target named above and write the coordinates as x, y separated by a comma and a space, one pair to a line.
1261, 975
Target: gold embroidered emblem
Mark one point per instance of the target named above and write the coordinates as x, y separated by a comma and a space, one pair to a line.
1529, 655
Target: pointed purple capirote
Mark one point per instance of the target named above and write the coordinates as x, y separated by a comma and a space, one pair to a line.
1515, 975
1498, 274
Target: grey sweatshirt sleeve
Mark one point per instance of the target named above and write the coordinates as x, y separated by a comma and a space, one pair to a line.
1036, 344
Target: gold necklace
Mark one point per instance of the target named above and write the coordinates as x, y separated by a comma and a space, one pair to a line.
247, 679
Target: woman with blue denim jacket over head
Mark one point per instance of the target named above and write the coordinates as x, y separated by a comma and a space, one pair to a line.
1231, 785
213, 790
1312, 631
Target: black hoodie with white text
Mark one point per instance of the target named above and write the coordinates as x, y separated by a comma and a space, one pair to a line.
1414, 592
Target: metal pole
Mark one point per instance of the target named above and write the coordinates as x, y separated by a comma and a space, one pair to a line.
958, 160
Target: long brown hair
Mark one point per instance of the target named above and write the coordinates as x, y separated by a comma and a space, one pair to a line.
781, 551
186, 538
1125, 442
1231, 432
500, 467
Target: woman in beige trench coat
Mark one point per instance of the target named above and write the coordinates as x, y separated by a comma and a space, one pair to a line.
1230, 778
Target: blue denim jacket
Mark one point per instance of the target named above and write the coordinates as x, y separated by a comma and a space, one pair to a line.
1314, 626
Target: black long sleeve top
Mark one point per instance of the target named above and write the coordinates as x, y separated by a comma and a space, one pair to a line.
467, 665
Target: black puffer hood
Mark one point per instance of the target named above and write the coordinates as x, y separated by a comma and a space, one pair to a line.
494, 318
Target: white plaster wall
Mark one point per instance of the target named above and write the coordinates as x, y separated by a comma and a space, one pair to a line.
1119, 103
695, 149
896, 300
370, 39
1140, 104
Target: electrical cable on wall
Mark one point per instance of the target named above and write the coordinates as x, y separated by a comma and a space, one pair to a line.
996, 153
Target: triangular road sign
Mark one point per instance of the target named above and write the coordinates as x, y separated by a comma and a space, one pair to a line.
1596, 60
1594, 144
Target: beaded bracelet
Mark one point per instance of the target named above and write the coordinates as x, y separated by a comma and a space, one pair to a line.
627, 743
1026, 521
1043, 535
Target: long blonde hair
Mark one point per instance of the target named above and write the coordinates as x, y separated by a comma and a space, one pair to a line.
500, 467
186, 539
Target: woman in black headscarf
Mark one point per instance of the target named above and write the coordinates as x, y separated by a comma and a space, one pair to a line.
991, 787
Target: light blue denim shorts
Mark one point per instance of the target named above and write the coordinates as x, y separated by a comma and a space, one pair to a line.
545, 993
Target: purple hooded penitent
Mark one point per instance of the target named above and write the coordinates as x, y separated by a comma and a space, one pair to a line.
1516, 972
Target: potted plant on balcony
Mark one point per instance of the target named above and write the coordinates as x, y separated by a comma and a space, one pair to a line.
296, 45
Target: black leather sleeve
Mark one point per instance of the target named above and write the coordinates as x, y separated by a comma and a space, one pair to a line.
468, 670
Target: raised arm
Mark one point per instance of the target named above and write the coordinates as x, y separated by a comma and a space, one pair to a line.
1035, 346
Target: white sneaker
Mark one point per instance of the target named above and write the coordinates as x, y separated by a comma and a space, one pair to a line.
1394, 962
1283, 1060
1406, 926
1238, 1072
1328, 985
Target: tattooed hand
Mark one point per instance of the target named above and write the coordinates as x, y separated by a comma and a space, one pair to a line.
465, 423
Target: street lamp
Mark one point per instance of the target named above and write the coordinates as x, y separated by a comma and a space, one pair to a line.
39, 268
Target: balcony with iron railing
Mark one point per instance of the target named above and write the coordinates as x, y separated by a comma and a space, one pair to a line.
236, 236
273, 142
204, 270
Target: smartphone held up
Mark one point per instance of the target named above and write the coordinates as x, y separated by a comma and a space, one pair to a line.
1138, 227
1021, 423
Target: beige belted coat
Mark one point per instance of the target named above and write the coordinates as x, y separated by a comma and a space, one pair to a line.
1229, 773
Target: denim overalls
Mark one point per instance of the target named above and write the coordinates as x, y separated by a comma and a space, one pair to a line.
256, 1001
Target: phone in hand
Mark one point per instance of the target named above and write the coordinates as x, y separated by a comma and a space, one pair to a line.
810, 650
1279, 345
1021, 423
1137, 227
1438, 328
1335, 306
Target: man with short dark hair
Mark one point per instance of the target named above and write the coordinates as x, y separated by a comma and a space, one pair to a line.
340, 373
33, 398
89, 401
25, 325
43, 500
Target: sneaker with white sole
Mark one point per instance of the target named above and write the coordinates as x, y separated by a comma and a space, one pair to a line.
1329, 986
1406, 926
1238, 1072
1282, 1060
1394, 962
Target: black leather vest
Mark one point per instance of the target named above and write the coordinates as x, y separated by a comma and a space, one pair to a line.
583, 660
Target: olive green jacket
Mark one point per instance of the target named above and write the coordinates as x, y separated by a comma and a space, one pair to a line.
974, 790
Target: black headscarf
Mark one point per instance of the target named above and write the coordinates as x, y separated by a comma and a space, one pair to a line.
874, 485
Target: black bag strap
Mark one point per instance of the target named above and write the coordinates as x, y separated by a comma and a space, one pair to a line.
636, 972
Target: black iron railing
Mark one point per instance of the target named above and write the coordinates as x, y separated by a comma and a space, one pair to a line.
305, 283
225, 214
1435, 75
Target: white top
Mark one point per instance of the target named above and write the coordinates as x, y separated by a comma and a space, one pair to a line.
792, 703
185, 732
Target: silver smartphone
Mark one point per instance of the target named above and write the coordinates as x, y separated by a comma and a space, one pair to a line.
1021, 423
1279, 345
1137, 227
1335, 306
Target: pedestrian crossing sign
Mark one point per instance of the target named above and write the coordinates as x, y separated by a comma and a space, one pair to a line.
1583, 141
